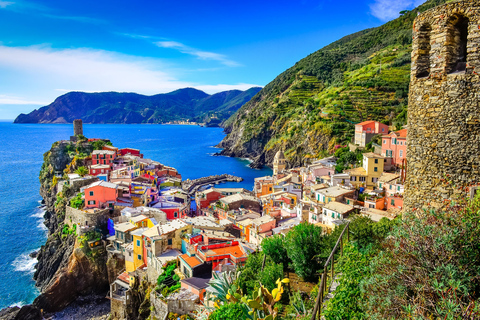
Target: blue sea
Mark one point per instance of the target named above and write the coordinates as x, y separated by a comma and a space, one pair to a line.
188, 148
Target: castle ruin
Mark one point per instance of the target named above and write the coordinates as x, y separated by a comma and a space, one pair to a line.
443, 152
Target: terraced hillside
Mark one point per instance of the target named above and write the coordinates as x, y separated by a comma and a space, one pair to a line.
313, 106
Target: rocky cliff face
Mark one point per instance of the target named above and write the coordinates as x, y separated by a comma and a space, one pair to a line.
66, 268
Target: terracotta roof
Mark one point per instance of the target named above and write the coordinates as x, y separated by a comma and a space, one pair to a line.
235, 251
124, 277
191, 261
402, 133
364, 123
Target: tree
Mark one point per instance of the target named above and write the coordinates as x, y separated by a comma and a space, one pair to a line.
81, 171
275, 248
304, 242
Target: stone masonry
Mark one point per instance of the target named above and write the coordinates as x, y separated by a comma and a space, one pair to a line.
443, 152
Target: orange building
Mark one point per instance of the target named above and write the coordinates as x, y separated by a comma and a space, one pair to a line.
101, 194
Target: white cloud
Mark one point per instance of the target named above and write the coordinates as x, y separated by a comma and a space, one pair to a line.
4, 99
4, 4
204, 55
40, 73
386, 10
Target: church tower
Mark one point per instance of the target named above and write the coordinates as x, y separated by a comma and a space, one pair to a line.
279, 163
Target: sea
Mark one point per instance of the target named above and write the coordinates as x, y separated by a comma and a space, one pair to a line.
188, 148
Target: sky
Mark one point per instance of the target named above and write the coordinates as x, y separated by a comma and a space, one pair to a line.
48, 48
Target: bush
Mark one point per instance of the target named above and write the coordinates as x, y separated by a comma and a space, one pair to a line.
275, 248
230, 311
77, 201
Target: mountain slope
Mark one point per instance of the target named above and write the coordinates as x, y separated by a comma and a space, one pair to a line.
311, 107
115, 107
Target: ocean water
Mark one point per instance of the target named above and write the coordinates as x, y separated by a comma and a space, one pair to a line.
187, 148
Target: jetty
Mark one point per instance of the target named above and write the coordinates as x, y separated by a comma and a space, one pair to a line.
191, 186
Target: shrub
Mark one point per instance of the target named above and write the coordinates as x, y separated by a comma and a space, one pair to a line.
230, 311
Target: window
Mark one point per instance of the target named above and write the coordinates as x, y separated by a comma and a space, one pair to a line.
398, 188
175, 214
375, 169
401, 153
424, 46
380, 185
384, 141
139, 256
392, 202
394, 141
333, 214
91, 193
457, 32
314, 217
376, 160
138, 243
383, 129
390, 187
325, 212
362, 179
169, 242
371, 206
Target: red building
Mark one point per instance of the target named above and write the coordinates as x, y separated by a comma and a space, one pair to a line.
101, 194
103, 157
394, 145
133, 152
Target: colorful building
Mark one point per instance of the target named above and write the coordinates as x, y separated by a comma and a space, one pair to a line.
105, 157
394, 146
97, 169
369, 173
364, 131
101, 194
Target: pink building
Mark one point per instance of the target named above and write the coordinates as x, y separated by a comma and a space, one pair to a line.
101, 194
394, 202
364, 131
103, 157
394, 145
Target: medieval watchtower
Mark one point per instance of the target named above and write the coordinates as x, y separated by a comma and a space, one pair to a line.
443, 152
77, 127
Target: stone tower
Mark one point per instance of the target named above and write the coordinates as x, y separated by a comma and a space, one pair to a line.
77, 127
443, 152
279, 163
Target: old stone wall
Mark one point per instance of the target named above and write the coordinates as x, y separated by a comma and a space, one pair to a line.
160, 308
76, 184
443, 152
83, 218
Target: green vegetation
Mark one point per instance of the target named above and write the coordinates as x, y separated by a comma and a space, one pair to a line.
168, 281
311, 107
346, 158
81, 171
77, 202
99, 144
229, 311
67, 230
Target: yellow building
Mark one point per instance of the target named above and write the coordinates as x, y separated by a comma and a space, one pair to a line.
368, 174
134, 251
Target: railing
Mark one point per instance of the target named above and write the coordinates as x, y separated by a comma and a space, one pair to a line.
323, 287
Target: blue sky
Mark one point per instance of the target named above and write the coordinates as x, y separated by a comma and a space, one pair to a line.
48, 48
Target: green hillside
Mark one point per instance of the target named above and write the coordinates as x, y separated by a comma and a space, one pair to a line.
313, 106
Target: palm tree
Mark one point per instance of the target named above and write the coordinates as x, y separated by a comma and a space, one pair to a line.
81, 171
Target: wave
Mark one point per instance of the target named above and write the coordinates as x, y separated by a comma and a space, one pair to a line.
39, 213
17, 304
25, 263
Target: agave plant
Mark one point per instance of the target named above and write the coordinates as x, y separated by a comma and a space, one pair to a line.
219, 286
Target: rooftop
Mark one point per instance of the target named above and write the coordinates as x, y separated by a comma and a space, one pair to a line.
170, 226
238, 197
138, 232
387, 177
338, 207
102, 183
262, 220
373, 155
124, 227
334, 191
360, 171
197, 283
104, 152
319, 186
365, 123
191, 261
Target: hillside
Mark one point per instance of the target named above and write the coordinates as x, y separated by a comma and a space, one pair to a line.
114, 107
313, 106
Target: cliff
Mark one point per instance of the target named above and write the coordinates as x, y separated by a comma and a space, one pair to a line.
115, 107
313, 106
66, 267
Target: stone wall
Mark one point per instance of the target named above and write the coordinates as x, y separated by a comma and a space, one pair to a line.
76, 184
83, 218
443, 152
160, 308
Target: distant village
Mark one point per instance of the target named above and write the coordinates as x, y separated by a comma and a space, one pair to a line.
156, 220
